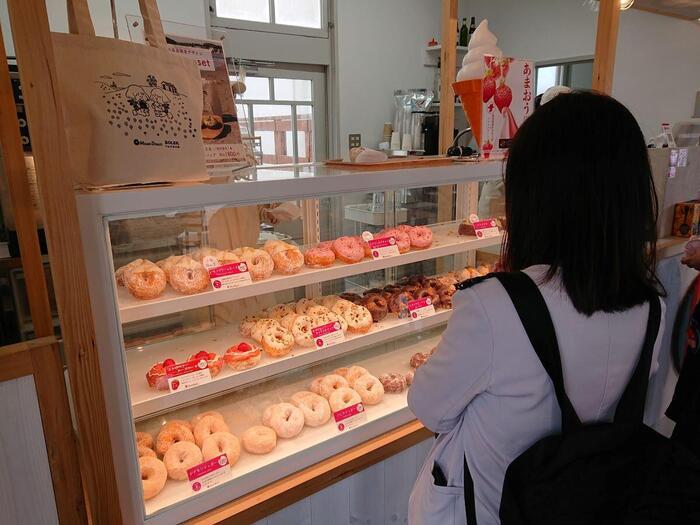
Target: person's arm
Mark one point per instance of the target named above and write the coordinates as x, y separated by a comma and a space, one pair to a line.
459, 369
691, 257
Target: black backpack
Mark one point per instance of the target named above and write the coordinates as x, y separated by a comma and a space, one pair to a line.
621, 473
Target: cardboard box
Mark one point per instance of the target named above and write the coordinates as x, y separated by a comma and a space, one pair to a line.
686, 219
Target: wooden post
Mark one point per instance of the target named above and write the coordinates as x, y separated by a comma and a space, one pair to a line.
37, 67
606, 45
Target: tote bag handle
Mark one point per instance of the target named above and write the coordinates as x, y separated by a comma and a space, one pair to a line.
80, 22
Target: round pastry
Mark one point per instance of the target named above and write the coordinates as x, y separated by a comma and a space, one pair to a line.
316, 309
447, 280
303, 305
285, 419
167, 263
352, 297
288, 320
430, 293
180, 458
200, 253
316, 385
287, 258
278, 311
213, 413
301, 330
409, 377
144, 280
259, 440
419, 359
319, 257
277, 341
376, 305
329, 384
315, 408
354, 373
222, 443
393, 382
406, 228
247, 323
145, 451
369, 388
365, 246
482, 270
259, 262
403, 241
214, 361
144, 439
187, 276
359, 319
343, 372
178, 423
261, 327
399, 303
446, 297
119, 274
341, 306
329, 300
348, 249
170, 435
372, 291
207, 426
242, 356
153, 476
157, 377
421, 237
343, 398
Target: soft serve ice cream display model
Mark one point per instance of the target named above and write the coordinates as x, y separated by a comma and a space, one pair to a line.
497, 92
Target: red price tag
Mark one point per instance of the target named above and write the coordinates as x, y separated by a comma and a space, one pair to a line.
421, 308
328, 335
486, 228
186, 375
383, 248
350, 417
209, 474
227, 276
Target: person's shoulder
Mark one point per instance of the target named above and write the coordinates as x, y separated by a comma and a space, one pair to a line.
486, 290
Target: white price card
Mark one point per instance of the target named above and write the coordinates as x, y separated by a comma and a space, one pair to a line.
328, 335
383, 248
682, 157
483, 229
227, 276
186, 375
350, 417
209, 474
421, 308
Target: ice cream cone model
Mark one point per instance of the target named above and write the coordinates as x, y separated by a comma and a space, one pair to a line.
470, 93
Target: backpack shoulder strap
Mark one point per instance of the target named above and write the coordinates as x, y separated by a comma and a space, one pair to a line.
630, 408
536, 320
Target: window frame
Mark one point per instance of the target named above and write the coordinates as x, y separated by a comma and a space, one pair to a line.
272, 26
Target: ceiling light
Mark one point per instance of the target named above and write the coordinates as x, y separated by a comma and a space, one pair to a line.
626, 4
595, 4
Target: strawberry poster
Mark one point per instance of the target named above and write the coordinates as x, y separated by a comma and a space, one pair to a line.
509, 98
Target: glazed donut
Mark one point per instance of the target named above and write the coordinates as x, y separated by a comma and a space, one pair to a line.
369, 388
365, 246
419, 359
285, 419
278, 311
205, 251
173, 423
119, 274
259, 440
259, 262
348, 249
342, 306
359, 319
144, 280
207, 426
329, 384
376, 305
180, 458
343, 372
261, 327
277, 341
352, 297
153, 476
399, 303
316, 385
287, 258
319, 257
213, 413
409, 377
315, 408
242, 356
393, 382
421, 237
169, 436
329, 300
343, 398
145, 451
354, 373
187, 276
245, 327
403, 241
316, 309
303, 304
301, 330
222, 443
144, 439
167, 263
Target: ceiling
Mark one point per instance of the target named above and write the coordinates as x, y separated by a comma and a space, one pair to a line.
688, 9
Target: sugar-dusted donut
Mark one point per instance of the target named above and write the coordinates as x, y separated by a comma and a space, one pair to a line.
393, 382
222, 443
315, 386
178, 422
277, 341
167, 263
196, 419
187, 276
278, 311
259, 439
369, 388
144, 280
207, 426
348, 249
145, 439
319, 257
259, 262
145, 451
421, 237
122, 270
376, 305
153, 476
261, 327
169, 435
301, 330
343, 398
315, 408
243, 356
285, 419
342, 371
359, 319
180, 458
330, 383
354, 373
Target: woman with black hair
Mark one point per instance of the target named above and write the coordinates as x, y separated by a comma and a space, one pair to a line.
581, 223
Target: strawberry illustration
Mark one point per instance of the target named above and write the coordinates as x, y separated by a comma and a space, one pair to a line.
492, 63
489, 86
486, 149
503, 96
505, 66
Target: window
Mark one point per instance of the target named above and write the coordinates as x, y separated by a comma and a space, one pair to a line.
577, 74
297, 17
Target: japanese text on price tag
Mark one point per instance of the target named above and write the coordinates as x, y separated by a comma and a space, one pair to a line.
186, 375
227, 276
421, 308
209, 474
350, 417
328, 335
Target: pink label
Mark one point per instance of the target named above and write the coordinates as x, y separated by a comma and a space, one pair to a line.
328, 334
186, 367
231, 275
228, 269
382, 242
486, 228
209, 474
383, 248
350, 417
186, 375
420, 308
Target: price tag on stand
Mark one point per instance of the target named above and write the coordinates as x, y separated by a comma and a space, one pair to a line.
209, 474
421, 308
350, 417
186, 375
329, 334
484, 229
381, 248
229, 275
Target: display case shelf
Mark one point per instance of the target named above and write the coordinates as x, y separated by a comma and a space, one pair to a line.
147, 402
446, 241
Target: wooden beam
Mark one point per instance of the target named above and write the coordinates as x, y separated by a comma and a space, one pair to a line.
282, 493
448, 71
606, 45
35, 58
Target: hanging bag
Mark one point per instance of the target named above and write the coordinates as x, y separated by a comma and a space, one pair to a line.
132, 112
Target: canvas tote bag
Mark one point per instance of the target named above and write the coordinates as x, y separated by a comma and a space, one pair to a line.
132, 111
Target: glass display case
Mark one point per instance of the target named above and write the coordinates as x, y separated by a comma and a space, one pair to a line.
254, 325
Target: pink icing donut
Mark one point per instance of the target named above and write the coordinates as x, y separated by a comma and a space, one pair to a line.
348, 249
421, 237
319, 257
403, 241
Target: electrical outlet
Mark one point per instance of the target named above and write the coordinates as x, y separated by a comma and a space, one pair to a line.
354, 140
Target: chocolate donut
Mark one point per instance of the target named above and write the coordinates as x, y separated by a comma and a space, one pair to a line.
352, 297
372, 291
376, 305
399, 303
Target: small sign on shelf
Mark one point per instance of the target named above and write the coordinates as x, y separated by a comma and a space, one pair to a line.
350, 417
209, 474
227, 276
186, 375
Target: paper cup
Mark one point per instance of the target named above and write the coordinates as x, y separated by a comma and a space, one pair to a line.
469, 93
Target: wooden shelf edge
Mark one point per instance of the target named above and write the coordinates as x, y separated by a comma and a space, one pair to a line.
286, 491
